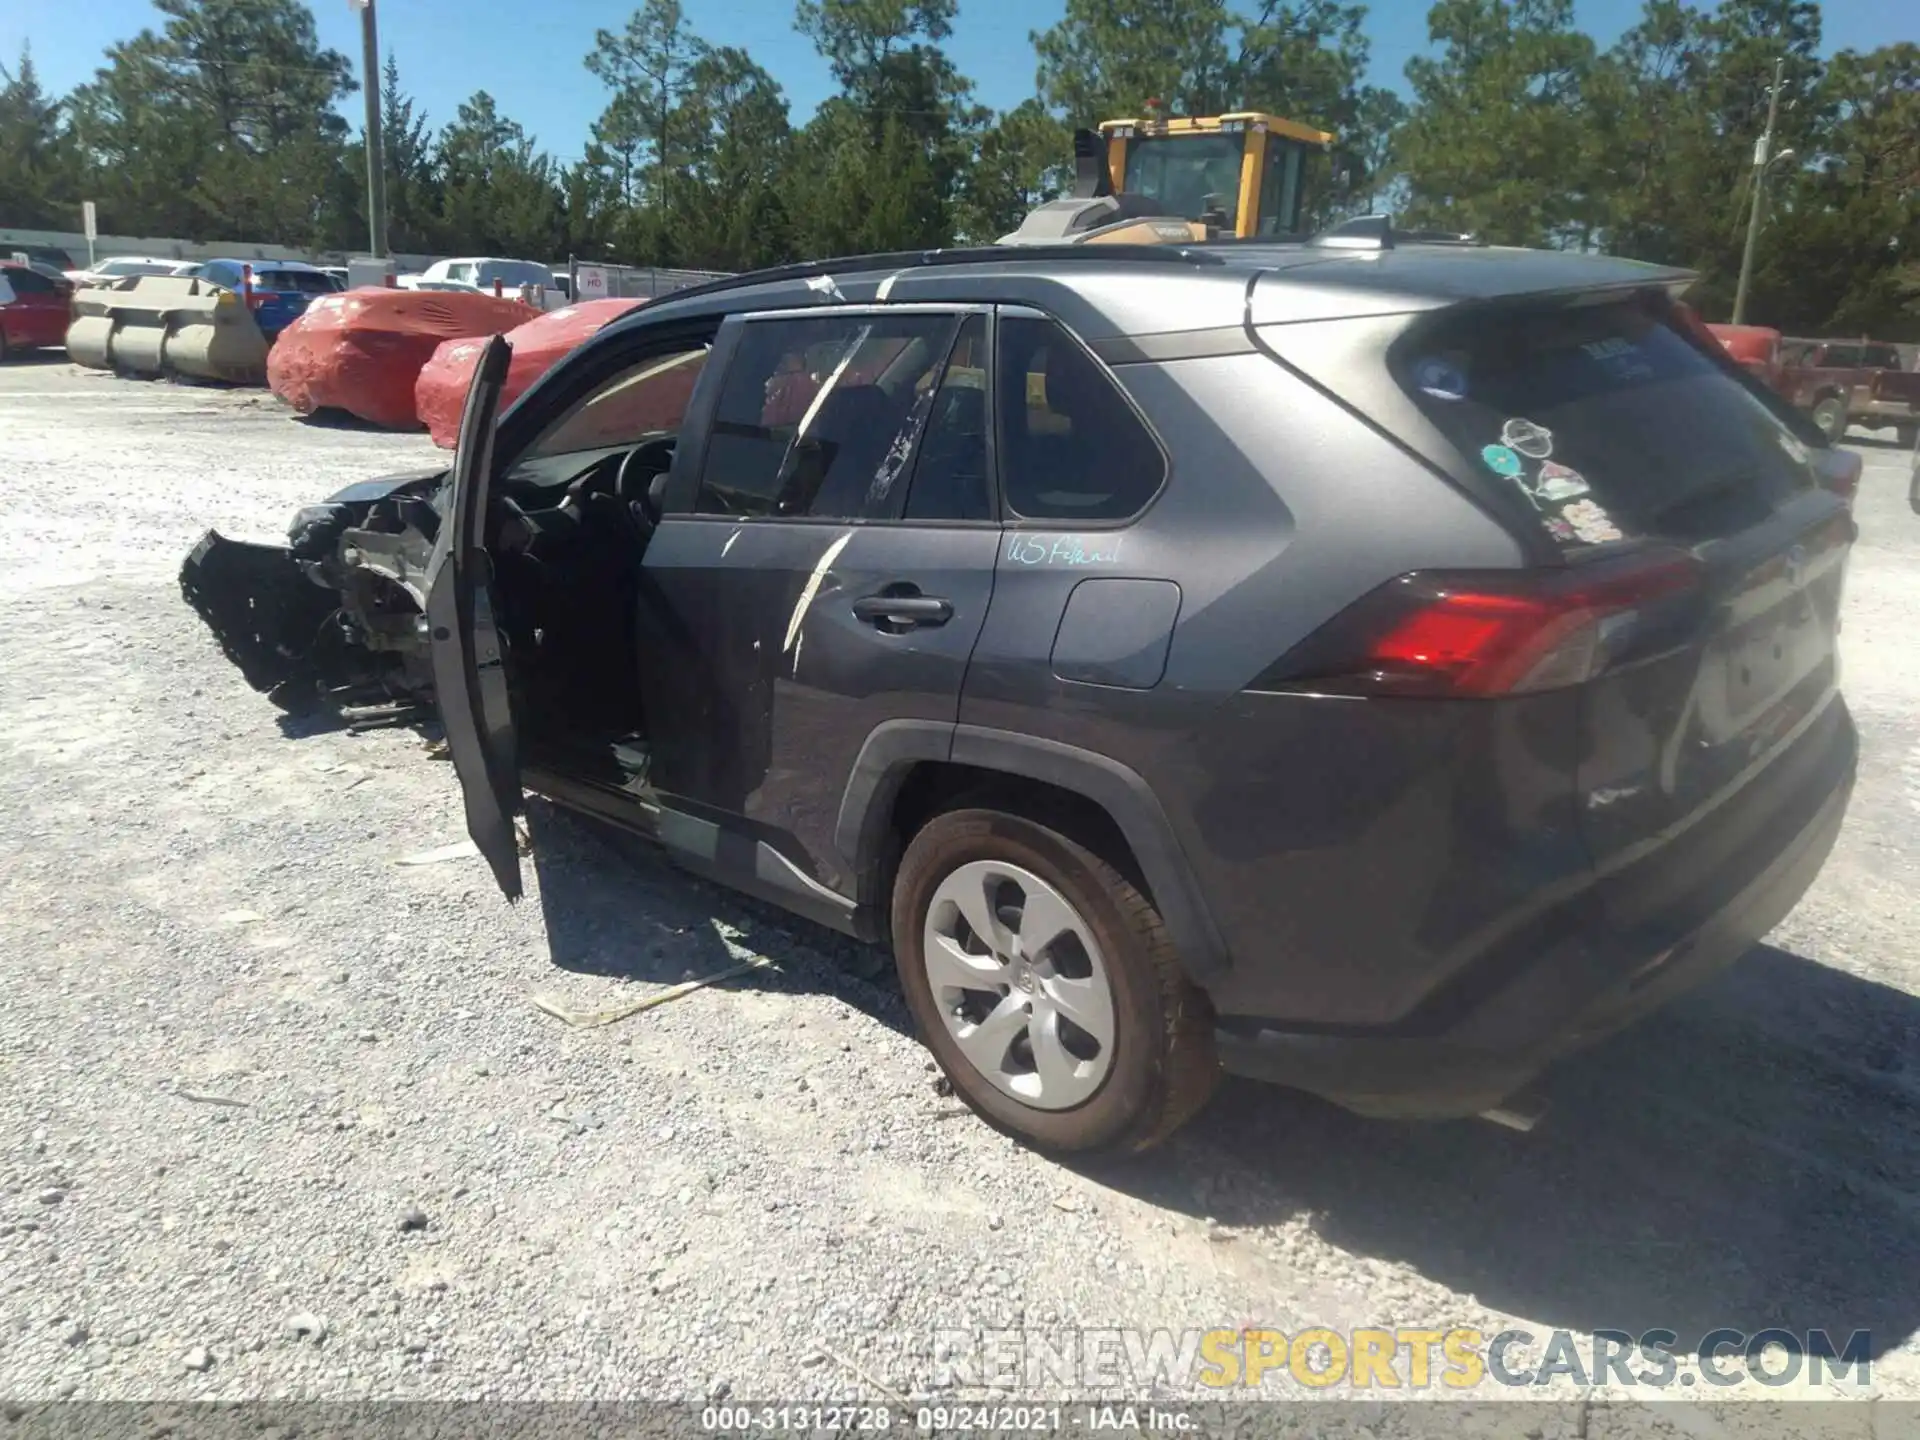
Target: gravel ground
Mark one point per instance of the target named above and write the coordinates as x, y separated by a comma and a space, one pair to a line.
278, 1117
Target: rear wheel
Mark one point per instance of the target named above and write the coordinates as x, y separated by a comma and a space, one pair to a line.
1830, 414
1907, 435
1046, 986
4, 352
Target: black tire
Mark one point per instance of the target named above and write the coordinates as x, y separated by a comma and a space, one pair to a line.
1163, 1067
1830, 414
1906, 435
5, 354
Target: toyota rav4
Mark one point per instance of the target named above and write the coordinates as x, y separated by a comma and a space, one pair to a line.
1379, 670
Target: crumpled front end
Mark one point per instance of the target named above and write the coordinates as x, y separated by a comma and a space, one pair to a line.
336, 615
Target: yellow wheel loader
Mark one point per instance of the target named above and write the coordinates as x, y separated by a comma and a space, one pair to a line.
1175, 181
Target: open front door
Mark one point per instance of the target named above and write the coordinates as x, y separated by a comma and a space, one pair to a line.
469, 662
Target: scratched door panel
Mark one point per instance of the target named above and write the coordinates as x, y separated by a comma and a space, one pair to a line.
777, 682
1078, 467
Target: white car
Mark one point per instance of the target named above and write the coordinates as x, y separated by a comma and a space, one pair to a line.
516, 279
119, 267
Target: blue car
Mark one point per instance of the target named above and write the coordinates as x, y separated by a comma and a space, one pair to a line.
282, 289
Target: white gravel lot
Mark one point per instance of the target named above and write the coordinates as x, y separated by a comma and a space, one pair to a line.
279, 1119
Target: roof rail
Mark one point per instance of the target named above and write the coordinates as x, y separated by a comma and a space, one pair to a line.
1377, 232
965, 255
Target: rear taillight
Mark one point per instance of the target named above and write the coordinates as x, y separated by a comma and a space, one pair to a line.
1839, 471
1487, 633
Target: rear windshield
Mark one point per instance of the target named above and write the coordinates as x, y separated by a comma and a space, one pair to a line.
302, 282
1606, 421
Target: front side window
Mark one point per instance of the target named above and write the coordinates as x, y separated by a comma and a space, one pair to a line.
819, 415
1072, 448
647, 401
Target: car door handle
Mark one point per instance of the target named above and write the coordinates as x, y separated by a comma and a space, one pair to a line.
903, 609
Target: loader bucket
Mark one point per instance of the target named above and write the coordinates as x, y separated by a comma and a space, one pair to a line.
168, 325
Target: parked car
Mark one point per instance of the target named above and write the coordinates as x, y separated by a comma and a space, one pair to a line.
42, 257
1468, 696
486, 274
122, 267
1756, 347
280, 290
440, 393
49, 260
1852, 382
35, 309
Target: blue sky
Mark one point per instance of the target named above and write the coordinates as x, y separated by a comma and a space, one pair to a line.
528, 55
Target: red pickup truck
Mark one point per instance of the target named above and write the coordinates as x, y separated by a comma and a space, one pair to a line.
1851, 382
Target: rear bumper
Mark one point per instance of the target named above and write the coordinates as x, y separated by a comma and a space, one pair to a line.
1573, 994
1885, 412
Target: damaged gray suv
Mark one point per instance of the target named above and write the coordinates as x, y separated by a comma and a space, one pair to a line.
1378, 669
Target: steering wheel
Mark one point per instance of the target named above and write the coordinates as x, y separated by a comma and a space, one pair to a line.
638, 468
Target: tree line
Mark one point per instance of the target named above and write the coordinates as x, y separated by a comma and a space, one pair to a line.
226, 121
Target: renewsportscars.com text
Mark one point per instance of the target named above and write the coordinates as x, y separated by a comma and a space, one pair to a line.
1402, 1358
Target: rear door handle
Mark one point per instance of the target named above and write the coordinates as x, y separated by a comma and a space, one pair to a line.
903, 609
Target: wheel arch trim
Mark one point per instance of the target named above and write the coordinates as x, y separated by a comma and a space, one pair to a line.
895, 747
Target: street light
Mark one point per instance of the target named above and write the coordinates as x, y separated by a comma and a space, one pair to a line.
376, 167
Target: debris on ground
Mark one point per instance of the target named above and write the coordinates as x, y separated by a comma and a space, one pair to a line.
201, 1097
307, 1325
458, 850
588, 1019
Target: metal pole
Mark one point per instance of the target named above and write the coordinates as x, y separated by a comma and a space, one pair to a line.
376, 164
1762, 155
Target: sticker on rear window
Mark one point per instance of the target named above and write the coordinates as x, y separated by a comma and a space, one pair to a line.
1501, 460
1531, 440
1557, 482
1590, 523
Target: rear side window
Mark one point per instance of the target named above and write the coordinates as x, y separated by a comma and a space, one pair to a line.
1072, 448
31, 282
818, 416
1880, 357
1605, 420
302, 282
